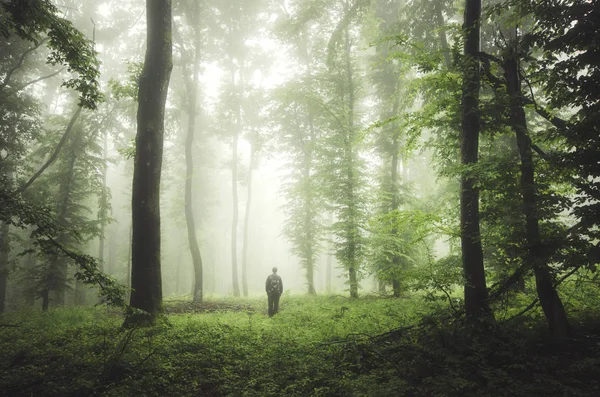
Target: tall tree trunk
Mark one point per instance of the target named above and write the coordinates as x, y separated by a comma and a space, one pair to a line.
247, 219
394, 207
308, 210
58, 265
353, 243
234, 181
554, 310
395, 204
153, 86
475, 289
103, 205
189, 166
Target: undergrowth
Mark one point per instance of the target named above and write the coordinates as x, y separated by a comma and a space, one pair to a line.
316, 346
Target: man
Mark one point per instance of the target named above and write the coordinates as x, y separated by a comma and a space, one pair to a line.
274, 288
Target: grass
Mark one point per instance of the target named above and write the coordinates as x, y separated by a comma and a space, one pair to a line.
316, 346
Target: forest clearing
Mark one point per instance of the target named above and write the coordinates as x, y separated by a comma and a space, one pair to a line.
299, 198
316, 346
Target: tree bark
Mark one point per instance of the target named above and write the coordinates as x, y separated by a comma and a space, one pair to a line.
153, 86
475, 289
552, 306
192, 86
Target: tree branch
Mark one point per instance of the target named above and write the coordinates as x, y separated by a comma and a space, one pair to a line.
34, 81
20, 62
54, 154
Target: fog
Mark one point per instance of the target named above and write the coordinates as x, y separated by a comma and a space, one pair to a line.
269, 89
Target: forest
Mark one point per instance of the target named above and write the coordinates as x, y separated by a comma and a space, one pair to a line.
418, 182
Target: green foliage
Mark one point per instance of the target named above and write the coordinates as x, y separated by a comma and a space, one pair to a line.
33, 20
45, 231
316, 346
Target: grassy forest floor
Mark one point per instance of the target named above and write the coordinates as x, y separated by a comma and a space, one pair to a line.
316, 346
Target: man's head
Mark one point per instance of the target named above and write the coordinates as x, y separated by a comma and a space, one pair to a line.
274, 270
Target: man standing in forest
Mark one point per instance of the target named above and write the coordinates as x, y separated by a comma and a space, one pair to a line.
274, 288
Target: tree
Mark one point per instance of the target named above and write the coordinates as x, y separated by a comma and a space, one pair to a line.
475, 288
38, 23
344, 168
192, 12
537, 253
153, 87
300, 119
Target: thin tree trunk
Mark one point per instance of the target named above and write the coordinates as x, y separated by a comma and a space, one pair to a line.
475, 289
247, 219
308, 210
353, 243
234, 181
80, 293
45, 294
29, 267
396, 262
146, 279
189, 174
439, 16
58, 264
103, 205
554, 310
129, 249
4, 251
329, 263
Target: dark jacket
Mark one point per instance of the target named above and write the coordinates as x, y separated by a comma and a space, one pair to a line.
268, 284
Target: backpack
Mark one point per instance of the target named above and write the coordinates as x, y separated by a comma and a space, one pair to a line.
274, 285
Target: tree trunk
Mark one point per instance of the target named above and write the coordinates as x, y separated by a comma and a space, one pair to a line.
396, 262
129, 249
475, 289
247, 219
554, 310
103, 205
153, 86
189, 167
58, 266
353, 235
329, 262
80, 293
45, 294
308, 210
234, 181
4, 250
439, 17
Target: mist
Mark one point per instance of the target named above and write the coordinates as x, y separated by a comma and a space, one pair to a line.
404, 186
